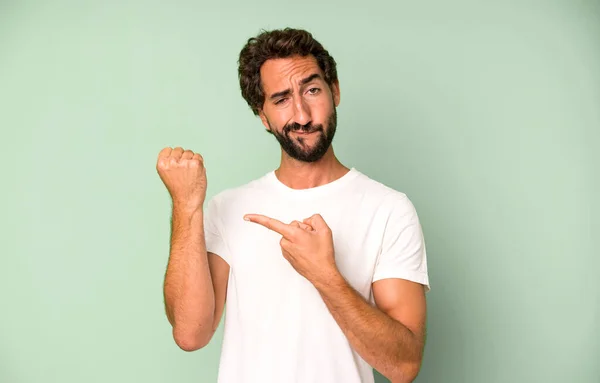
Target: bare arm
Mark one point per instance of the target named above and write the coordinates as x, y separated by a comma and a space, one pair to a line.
391, 336
195, 282
188, 292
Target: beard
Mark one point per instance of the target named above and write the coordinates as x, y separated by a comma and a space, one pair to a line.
296, 147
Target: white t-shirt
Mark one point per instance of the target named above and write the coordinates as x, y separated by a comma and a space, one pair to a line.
277, 327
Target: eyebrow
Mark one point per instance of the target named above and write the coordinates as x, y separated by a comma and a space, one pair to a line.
304, 81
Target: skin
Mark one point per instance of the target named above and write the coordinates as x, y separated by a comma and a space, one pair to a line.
390, 335
312, 102
195, 282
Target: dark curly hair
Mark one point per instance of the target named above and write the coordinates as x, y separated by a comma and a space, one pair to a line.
279, 43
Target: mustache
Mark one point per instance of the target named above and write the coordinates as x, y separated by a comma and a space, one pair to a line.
308, 128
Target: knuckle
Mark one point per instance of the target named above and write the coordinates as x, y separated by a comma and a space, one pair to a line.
163, 161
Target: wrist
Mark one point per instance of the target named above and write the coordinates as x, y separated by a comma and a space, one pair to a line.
188, 215
330, 279
187, 208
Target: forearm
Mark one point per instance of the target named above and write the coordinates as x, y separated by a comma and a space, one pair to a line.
386, 344
188, 289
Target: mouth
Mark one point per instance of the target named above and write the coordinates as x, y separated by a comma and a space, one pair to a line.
304, 133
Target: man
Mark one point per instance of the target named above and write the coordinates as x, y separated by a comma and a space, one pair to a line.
323, 269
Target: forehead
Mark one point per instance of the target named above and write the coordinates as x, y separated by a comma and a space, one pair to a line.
287, 72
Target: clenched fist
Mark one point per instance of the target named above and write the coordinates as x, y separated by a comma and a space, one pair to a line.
184, 175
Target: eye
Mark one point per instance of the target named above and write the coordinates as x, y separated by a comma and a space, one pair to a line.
280, 101
314, 90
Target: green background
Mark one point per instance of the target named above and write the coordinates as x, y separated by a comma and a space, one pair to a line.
485, 113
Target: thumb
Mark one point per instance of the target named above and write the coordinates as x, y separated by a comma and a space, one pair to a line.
317, 222
301, 225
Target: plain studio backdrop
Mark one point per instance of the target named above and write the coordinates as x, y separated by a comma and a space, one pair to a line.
485, 113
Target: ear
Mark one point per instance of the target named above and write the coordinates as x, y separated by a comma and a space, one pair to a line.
335, 91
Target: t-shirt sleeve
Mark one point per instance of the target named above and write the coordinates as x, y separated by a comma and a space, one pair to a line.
213, 231
403, 253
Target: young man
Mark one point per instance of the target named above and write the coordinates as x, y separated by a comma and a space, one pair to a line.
323, 269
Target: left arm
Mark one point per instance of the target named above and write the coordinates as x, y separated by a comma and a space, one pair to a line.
391, 336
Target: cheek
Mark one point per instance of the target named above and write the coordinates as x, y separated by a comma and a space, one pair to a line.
321, 111
279, 118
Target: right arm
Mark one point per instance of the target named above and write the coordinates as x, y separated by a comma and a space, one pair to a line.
195, 282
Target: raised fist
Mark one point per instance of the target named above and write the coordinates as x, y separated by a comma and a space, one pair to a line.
184, 175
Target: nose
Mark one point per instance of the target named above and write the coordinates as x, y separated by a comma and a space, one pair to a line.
301, 112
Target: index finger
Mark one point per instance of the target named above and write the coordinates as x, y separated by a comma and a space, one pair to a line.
165, 152
270, 223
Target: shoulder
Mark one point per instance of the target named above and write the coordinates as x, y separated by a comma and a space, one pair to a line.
388, 203
386, 195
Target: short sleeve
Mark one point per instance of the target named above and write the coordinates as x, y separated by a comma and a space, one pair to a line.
403, 254
213, 231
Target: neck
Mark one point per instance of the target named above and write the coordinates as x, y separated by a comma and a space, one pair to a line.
303, 175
